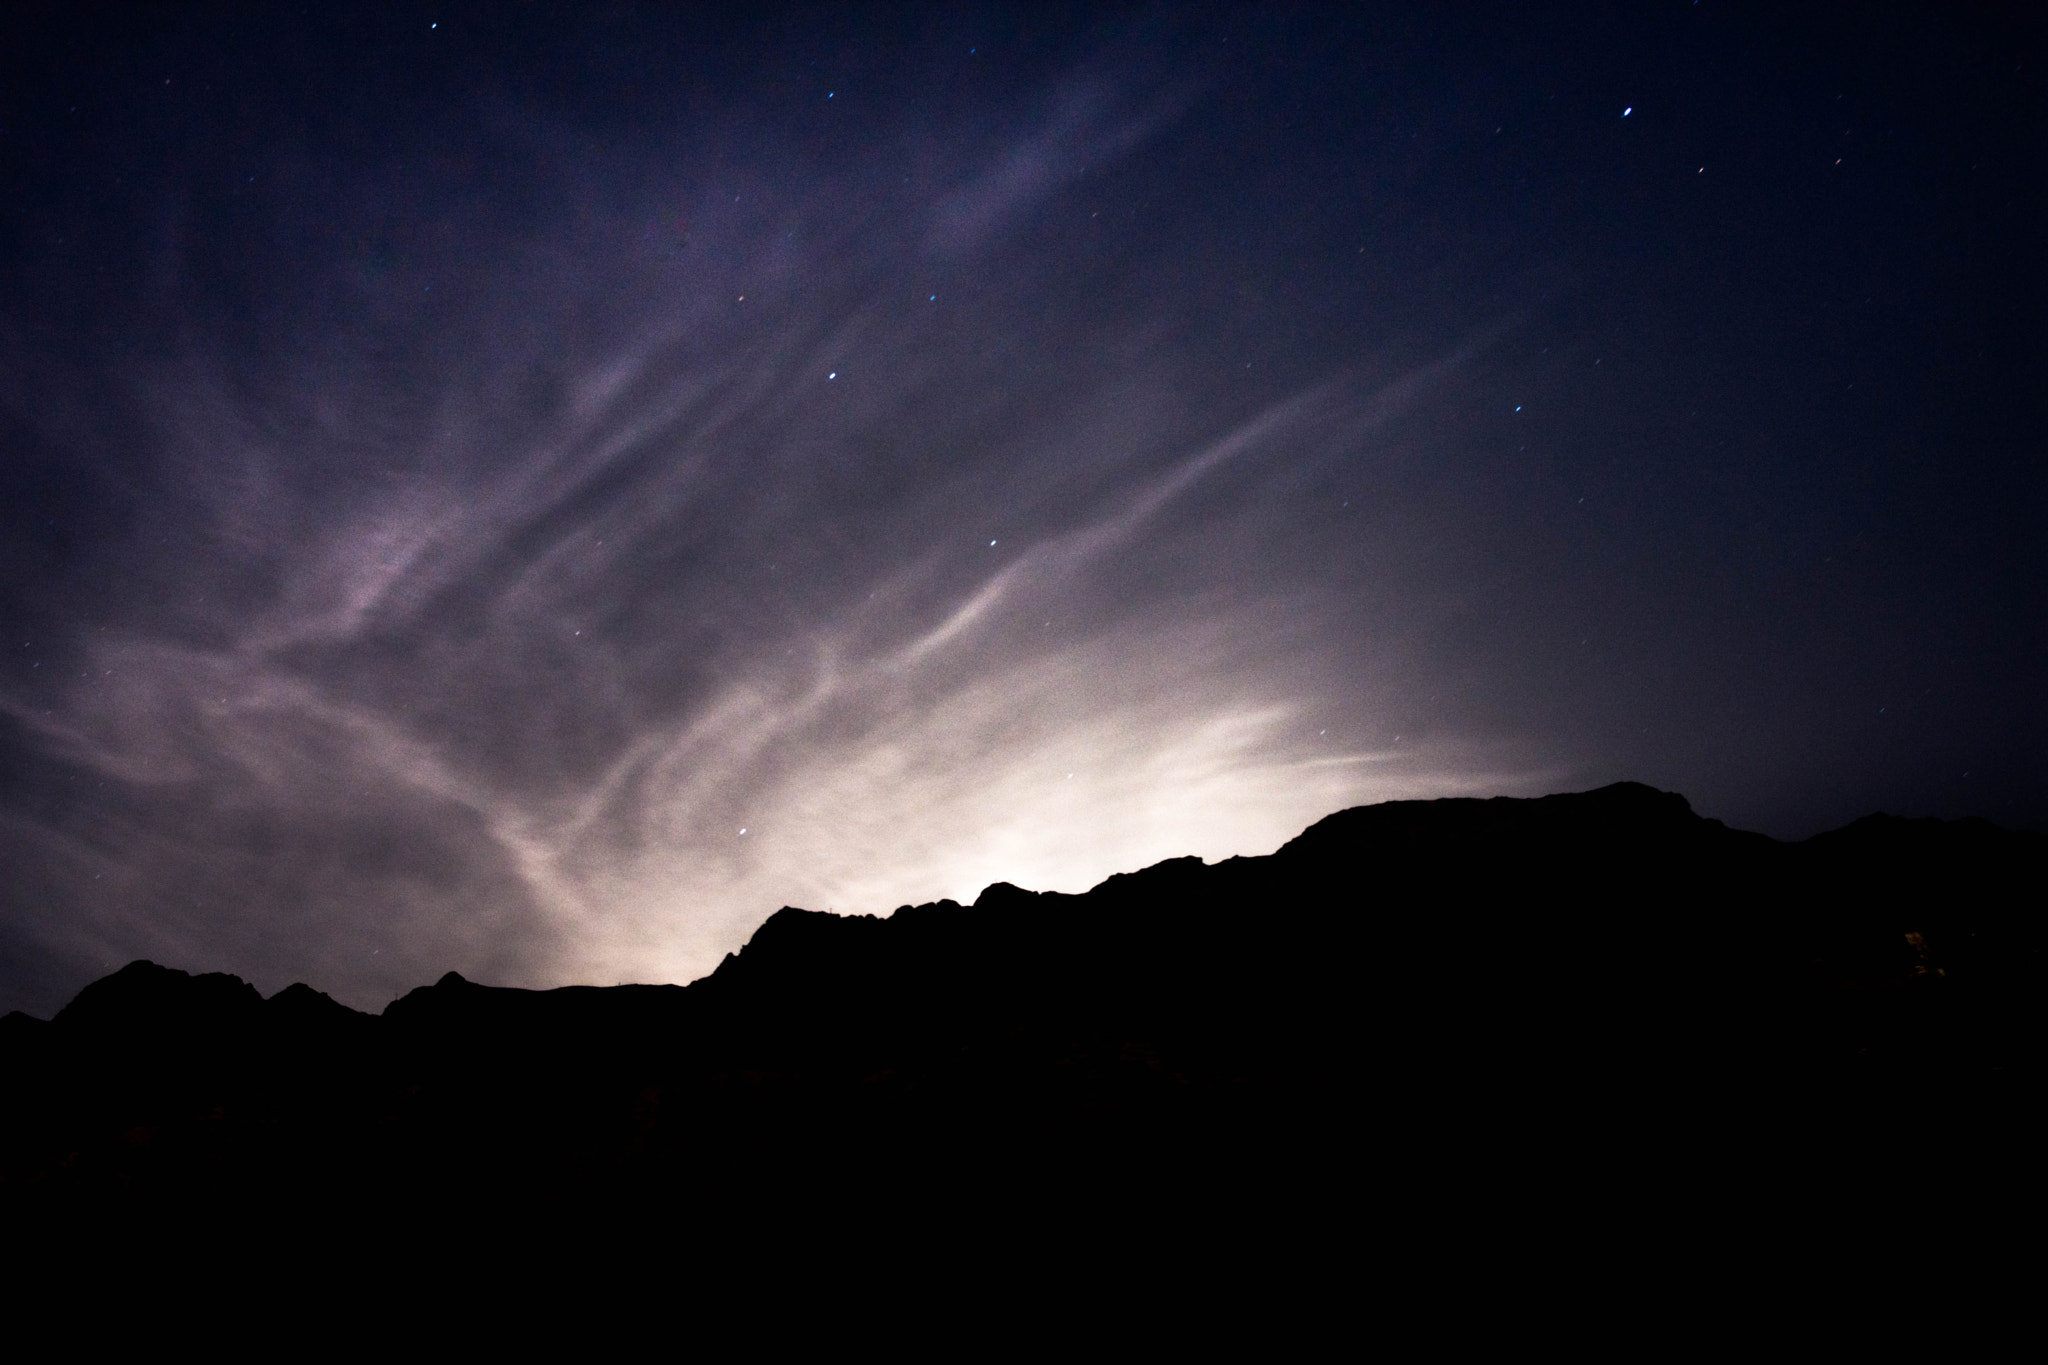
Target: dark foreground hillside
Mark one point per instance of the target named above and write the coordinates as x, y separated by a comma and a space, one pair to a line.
1416, 1029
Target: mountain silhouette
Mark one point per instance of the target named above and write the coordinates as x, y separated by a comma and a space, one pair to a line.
1417, 1013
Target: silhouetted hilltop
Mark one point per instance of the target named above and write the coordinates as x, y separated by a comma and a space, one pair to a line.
1415, 978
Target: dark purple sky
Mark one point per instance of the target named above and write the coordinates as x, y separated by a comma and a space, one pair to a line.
531, 490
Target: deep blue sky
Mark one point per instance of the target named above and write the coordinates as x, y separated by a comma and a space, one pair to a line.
461, 466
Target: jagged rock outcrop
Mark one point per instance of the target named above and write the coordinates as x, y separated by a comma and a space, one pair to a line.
1418, 981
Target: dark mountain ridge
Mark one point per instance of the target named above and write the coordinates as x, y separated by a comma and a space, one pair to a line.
1401, 979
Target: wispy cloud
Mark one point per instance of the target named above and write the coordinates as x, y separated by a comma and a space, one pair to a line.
575, 666
1091, 125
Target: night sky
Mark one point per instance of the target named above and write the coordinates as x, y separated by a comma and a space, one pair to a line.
530, 491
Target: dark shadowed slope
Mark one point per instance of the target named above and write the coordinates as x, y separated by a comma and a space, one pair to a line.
1459, 1006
